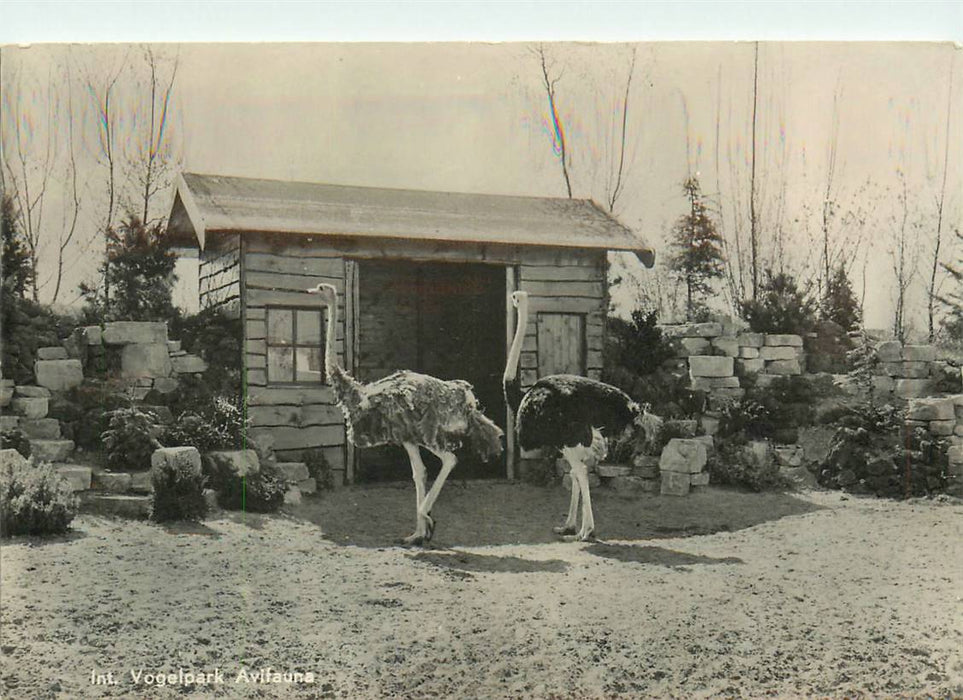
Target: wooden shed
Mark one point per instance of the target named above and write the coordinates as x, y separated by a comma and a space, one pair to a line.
424, 280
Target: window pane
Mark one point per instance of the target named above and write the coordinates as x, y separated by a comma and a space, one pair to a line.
309, 365
280, 364
280, 326
309, 328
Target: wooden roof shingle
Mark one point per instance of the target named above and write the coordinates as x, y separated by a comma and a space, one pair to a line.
206, 204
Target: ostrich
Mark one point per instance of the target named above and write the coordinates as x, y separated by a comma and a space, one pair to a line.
568, 415
412, 410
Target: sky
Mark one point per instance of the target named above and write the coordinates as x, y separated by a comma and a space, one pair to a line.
473, 117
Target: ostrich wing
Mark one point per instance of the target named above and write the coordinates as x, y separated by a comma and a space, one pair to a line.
561, 411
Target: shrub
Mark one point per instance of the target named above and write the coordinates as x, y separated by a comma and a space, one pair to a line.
637, 345
261, 492
220, 425
178, 492
217, 338
34, 500
130, 439
740, 464
780, 306
319, 469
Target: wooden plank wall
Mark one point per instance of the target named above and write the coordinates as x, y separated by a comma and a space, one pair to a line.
570, 282
303, 416
219, 274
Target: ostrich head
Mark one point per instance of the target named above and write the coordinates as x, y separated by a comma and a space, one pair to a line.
519, 299
327, 292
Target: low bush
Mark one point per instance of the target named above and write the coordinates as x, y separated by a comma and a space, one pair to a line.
219, 425
34, 500
178, 492
130, 439
319, 469
261, 492
746, 464
780, 306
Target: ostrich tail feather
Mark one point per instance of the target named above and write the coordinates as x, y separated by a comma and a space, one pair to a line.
484, 437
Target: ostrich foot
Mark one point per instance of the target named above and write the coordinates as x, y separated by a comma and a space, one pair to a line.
414, 540
564, 530
584, 535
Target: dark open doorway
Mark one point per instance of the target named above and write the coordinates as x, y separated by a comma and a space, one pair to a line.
442, 319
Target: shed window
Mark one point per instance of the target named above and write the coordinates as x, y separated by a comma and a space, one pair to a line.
295, 345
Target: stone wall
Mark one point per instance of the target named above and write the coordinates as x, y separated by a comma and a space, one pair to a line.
910, 371
942, 418
718, 358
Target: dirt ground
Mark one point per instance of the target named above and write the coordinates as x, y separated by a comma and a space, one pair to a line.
815, 595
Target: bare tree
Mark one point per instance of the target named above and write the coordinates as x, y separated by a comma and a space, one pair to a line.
71, 205
932, 289
550, 78
29, 157
753, 223
904, 255
152, 162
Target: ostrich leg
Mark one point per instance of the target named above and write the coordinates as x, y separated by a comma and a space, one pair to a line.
448, 461
580, 474
418, 474
569, 527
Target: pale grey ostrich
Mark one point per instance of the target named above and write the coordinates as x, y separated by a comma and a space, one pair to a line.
567, 415
412, 410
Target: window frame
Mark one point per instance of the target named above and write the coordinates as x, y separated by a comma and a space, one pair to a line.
294, 345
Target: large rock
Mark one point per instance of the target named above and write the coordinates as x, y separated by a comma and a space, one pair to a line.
800, 477
145, 360
30, 407
12, 458
913, 388
6, 395
883, 385
694, 346
78, 477
53, 352
188, 364
744, 367
784, 367
726, 346
710, 366
293, 472
33, 392
683, 456
931, 409
919, 353
914, 370
165, 385
782, 352
795, 341
59, 375
713, 383
112, 482
748, 353
51, 450
703, 330
751, 340
184, 457
889, 351
40, 428
9, 423
942, 428
675, 484
700, 479
237, 462
127, 332
307, 486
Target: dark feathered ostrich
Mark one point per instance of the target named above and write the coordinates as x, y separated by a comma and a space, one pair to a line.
568, 415
412, 410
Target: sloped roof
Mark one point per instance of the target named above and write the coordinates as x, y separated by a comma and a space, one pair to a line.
213, 203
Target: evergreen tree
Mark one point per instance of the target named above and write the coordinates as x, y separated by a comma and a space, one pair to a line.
17, 271
780, 307
839, 303
139, 271
697, 255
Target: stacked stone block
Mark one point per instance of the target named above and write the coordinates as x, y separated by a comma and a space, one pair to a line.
942, 418
908, 371
682, 466
718, 359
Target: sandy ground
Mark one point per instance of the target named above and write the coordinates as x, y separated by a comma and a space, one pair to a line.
845, 597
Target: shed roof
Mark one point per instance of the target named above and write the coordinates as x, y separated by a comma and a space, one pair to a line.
214, 203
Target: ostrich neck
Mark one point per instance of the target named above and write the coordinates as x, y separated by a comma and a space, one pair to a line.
330, 356
511, 364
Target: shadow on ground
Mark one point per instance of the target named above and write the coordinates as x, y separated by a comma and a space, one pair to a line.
640, 554
476, 563
480, 513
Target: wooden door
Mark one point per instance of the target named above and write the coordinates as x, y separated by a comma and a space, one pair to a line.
561, 344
